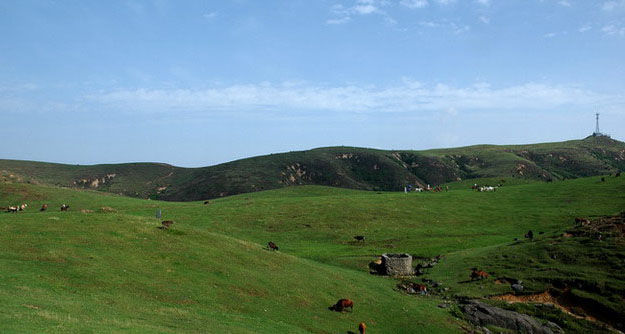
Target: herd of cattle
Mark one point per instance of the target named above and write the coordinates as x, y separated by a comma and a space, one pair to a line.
435, 189
23, 207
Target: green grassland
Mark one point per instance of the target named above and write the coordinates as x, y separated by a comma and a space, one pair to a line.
102, 271
346, 167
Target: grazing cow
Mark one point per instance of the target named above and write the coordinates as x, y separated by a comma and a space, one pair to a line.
273, 246
529, 235
418, 190
64, 207
44, 207
362, 328
478, 274
167, 223
360, 237
582, 221
342, 305
12, 209
206, 202
23, 206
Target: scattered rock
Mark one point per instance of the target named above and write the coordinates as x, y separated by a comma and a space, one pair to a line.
107, 209
482, 314
518, 288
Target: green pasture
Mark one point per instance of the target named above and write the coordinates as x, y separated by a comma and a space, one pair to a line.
101, 271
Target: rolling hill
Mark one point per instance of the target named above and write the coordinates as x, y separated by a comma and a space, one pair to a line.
346, 167
105, 266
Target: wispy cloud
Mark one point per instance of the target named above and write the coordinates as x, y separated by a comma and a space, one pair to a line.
340, 20
409, 96
614, 29
585, 28
564, 3
454, 27
484, 19
414, 4
209, 15
555, 34
613, 5
343, 14
483, 2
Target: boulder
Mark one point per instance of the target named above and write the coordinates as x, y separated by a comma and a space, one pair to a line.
482, 314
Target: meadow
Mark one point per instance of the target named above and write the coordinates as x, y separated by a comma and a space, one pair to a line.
114, 270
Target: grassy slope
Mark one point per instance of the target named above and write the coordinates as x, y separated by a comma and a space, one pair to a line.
95, 272
348, 167
313, 225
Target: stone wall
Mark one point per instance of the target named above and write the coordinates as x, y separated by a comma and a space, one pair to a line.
397, 264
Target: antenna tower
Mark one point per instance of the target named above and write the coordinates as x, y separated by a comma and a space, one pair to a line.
597, 132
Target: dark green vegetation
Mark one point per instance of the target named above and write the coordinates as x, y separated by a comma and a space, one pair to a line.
347, 167
115, 271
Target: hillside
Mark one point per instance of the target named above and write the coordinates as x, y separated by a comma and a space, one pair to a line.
93, 270
347, 167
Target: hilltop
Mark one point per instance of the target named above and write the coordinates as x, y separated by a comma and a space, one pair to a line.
346, 167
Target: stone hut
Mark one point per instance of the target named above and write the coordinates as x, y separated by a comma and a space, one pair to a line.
397, 264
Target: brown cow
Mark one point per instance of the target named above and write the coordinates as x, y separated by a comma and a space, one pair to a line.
343, 304
273, 246
167, 223
362, 328
64, 207
478, 274
44, 207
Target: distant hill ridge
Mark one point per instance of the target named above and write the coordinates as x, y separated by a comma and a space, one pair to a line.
347, 167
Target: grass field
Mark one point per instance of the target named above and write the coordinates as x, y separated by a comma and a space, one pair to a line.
98, 271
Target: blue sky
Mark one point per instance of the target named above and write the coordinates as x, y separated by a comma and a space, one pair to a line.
196, 83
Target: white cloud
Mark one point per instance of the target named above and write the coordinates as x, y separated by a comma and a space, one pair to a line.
460, 29
409, 96
614, 29
612, 5
455, 28
585, 28
340, 20
210, 16
550, 35
483, 2
365, 9
485, 19
414, 4
342, 14
429, 24
445, 2
564, 3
